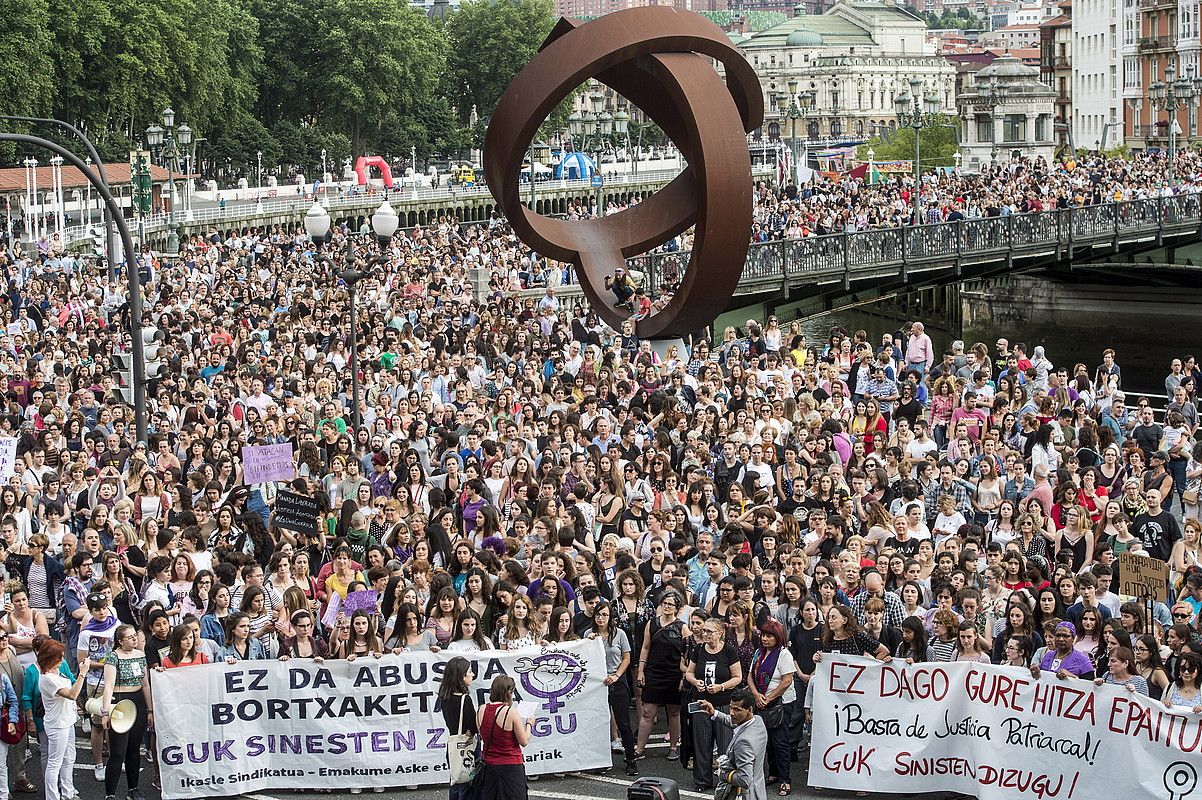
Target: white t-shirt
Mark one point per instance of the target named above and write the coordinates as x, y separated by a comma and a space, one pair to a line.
784, 666
60, 711
98, 644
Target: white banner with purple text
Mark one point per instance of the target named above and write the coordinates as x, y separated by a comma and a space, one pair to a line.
995, 733
297, 724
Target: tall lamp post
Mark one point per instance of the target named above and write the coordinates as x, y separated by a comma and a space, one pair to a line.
792, 107
259, 182
991, 97
917, 111
142, 192
171, 143
384, 223
1171, 95
622, 129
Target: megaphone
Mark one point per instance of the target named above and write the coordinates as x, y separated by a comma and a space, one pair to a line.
123, 715
93, 707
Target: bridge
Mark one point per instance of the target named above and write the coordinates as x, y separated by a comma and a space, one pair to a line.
829, 271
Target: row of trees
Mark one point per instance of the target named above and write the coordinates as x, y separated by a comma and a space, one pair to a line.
285, 77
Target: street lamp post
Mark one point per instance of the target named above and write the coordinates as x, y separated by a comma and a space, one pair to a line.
259, 182
56, 190
792, 107
31, 198
918, 111
622, 129
384, 223
1171, 95
172, 144
871, 160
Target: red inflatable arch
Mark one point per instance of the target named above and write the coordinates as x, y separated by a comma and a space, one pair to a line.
363, 163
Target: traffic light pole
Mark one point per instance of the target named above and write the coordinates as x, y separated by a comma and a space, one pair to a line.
131, 267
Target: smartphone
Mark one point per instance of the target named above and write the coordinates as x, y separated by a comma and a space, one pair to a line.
695, 707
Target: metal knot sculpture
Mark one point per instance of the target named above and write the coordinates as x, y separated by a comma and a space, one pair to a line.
659, 59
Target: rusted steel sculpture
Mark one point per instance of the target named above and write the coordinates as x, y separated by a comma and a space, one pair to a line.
659, 59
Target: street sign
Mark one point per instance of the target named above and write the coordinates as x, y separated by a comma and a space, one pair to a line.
598, 181
1141, 576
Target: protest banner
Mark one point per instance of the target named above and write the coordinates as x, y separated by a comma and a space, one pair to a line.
8, 456
267, 462
994, 733
296, 512
227, 729
1143, 576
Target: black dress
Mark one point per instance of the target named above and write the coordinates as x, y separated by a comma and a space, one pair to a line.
662, 670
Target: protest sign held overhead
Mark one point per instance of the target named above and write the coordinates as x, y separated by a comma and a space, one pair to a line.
296, 512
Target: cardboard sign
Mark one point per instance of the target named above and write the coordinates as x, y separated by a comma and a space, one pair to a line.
1142, 576
267, 462
295, 512
8, 456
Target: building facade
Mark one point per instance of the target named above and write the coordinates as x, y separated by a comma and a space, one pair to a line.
1056, 69
1157, 34
1097, 61
1006, 112
849, 63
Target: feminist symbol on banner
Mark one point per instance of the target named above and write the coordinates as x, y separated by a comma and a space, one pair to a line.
659, 58
550, 676
1180, 779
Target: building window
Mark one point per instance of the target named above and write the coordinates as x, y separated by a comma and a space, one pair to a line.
1014, 128
984, 129
1041, 128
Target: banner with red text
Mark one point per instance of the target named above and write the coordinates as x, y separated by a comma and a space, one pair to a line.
226, 729
995, 733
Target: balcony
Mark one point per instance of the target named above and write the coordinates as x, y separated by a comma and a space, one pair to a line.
1152, 44
1063, 62
1147, 4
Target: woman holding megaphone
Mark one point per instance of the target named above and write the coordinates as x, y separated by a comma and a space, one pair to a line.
125, 710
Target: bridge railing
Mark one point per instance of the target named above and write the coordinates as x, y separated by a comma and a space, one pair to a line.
880, 251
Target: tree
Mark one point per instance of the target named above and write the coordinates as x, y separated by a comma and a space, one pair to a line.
938, 144
373, 60
488, 44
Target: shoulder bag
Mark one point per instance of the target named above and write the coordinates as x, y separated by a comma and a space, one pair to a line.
461, 751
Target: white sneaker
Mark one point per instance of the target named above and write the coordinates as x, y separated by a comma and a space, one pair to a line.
99, 772
356, 791
616, 746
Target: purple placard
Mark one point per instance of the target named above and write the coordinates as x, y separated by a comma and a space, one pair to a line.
267, 462
365, 600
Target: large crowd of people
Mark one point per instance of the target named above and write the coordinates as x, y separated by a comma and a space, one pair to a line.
719, 516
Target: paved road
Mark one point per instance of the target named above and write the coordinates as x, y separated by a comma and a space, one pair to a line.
610, 785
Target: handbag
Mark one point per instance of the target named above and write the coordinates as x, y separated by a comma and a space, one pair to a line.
461, 752
1191, 496
17, 734
773, 714
479, 778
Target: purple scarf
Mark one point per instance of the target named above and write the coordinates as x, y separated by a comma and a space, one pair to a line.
763, 667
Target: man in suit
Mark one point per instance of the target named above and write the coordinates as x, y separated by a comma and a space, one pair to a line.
742, 765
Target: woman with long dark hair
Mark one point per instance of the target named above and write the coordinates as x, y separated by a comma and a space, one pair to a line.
458, 710
617, 663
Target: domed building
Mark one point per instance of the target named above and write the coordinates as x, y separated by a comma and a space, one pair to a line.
1006, 112
843, 68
